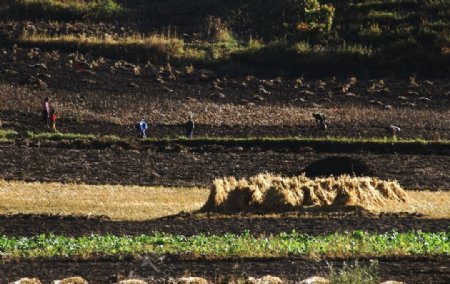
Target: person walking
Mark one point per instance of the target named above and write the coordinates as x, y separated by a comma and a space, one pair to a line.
190, 128
320, 120
46, 112
142, 127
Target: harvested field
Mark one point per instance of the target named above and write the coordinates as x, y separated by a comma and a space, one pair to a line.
136, 203
432, 124
269, 193
36, 208
175, 168
422, 270
131, 203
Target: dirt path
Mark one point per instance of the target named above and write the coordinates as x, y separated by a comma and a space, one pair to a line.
411, 270
200, 168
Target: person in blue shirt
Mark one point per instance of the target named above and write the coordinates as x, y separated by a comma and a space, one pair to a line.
142, 127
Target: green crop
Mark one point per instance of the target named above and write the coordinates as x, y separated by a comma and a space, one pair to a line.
59, 136
355, 244
240, 141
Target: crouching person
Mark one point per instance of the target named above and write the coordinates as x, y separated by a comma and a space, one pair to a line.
393, 130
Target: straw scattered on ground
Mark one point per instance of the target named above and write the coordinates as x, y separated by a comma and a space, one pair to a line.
115, 201
273, 193
128, 203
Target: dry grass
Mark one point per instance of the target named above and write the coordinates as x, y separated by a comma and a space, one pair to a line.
433, 204
274, 193
159, 42
143, 203
116, 202
154, 39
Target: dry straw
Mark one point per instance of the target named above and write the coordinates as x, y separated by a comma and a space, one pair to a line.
273, 193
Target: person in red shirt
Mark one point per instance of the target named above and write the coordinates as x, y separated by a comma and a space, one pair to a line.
53, 118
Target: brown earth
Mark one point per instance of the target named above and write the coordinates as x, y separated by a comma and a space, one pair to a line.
408, 269
305, 223
109, 100
173, 167
23, 122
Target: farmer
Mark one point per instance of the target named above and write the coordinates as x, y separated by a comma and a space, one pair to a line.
190, 128
46, 111
393, 130
53, 118
320, 120
142, 127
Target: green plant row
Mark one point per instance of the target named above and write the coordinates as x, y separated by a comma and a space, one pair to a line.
355, 244
7, 134
320, 144
330, 139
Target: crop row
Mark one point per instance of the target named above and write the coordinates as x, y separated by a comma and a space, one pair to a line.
329, 144
385, 140
355, 244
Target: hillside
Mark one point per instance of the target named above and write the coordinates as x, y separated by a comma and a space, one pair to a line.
243, 68
371, 36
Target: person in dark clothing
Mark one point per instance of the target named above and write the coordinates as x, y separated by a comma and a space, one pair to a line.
393, 130
46, 112
190, 128
320, 120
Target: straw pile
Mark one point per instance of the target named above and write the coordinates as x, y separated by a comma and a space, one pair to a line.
273, 193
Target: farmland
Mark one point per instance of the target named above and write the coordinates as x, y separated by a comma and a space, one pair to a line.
261, 189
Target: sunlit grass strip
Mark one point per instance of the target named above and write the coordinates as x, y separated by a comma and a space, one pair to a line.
329, 139
383, 140
169, 45
95, 40
59, 136
75, 8
7, 133
355, 244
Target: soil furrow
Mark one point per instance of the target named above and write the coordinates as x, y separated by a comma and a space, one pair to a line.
200, 168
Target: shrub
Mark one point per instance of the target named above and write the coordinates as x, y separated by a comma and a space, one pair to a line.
67, 9
355, 274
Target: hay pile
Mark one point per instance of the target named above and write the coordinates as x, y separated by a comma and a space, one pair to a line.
273, 193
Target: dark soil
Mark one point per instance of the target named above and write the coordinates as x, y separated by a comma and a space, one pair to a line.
178, 168
31, 225
411, 270
337, 166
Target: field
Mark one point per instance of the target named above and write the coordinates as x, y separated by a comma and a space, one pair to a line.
261, 189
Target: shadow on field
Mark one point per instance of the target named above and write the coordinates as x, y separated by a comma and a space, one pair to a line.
313, 224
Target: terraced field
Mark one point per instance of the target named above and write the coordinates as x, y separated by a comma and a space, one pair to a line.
96, 201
